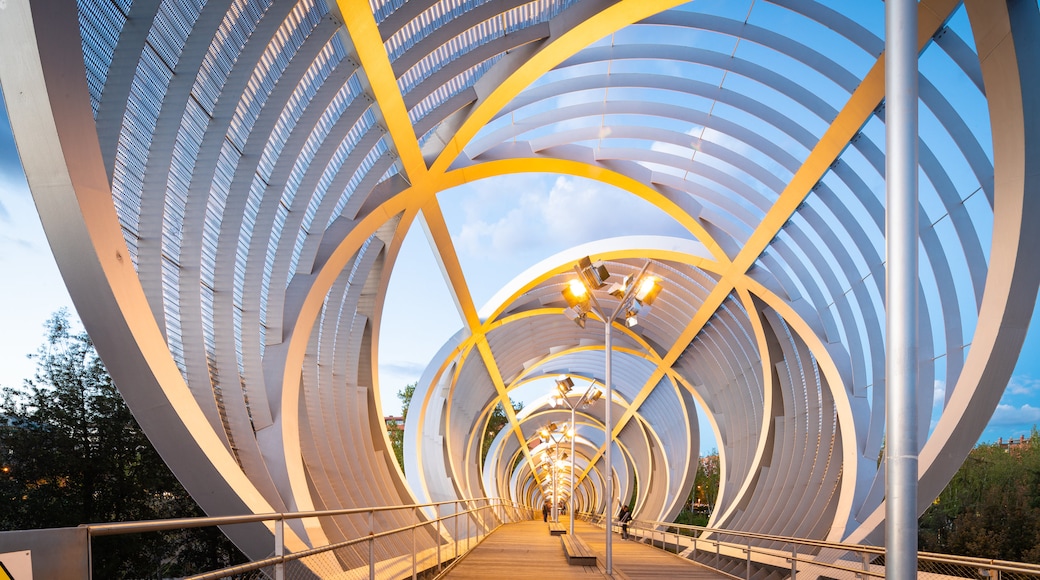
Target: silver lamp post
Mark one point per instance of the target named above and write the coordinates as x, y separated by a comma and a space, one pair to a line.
554, 436
634, 294
564, 384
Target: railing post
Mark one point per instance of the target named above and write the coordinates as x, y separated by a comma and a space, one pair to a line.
748, 572
371, 545
279, 548
794, 561
413, 543
718, 556
440, 535
455, 529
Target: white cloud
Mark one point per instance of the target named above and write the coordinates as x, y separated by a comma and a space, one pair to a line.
1011, 415
551, 216
1022, 385
938, 394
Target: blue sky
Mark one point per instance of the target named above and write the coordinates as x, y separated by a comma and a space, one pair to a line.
497, 237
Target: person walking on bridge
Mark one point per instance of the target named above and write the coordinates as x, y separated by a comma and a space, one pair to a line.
624, 516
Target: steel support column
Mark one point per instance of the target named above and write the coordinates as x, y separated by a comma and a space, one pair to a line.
608, 429
901, 288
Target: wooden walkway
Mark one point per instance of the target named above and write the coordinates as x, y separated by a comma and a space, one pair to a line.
525, 550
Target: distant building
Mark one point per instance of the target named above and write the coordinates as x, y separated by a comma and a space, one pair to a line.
1013, 444
394, 423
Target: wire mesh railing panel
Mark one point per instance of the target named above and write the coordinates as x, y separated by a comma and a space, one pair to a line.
758, 556
439, 533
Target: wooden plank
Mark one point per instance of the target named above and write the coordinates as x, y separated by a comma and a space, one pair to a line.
524, 551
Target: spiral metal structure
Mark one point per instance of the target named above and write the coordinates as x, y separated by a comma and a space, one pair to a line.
226, 186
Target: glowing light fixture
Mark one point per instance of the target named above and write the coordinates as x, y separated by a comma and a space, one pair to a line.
649, 288
634, 295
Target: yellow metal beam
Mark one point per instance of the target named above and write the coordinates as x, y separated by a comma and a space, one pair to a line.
364, 33
444, 251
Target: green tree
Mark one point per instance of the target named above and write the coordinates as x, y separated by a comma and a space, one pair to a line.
991, 507
706, 483
704, 493
74, 454
396, 432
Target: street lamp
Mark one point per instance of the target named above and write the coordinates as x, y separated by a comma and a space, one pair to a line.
555, 435
564, 385
634, 295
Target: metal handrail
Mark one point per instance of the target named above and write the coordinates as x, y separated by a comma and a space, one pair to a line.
800, 549
117, 528
279, 559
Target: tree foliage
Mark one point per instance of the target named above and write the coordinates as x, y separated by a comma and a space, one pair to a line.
704, 493
991, 507
73, 454
706, 483
396, 432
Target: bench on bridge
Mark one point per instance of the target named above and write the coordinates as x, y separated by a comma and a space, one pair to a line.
577, 552
557, 529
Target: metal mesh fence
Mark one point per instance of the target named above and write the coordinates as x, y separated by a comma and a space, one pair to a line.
761, 557
454, 534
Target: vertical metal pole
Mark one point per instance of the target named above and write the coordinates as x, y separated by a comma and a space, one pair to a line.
794, 561
440, 535
455, 527
748, 571
570, 497
371, 545
279, 548
413, 551
555, 485
608, 431
901, 134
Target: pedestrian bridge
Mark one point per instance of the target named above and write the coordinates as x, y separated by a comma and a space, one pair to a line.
502, 540
232, 188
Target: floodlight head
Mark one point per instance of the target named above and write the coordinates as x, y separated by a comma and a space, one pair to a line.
576, 294
649, 288
594, 396
594, 275
618, 289
631, 319
564, 384
576, 315
544, 432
